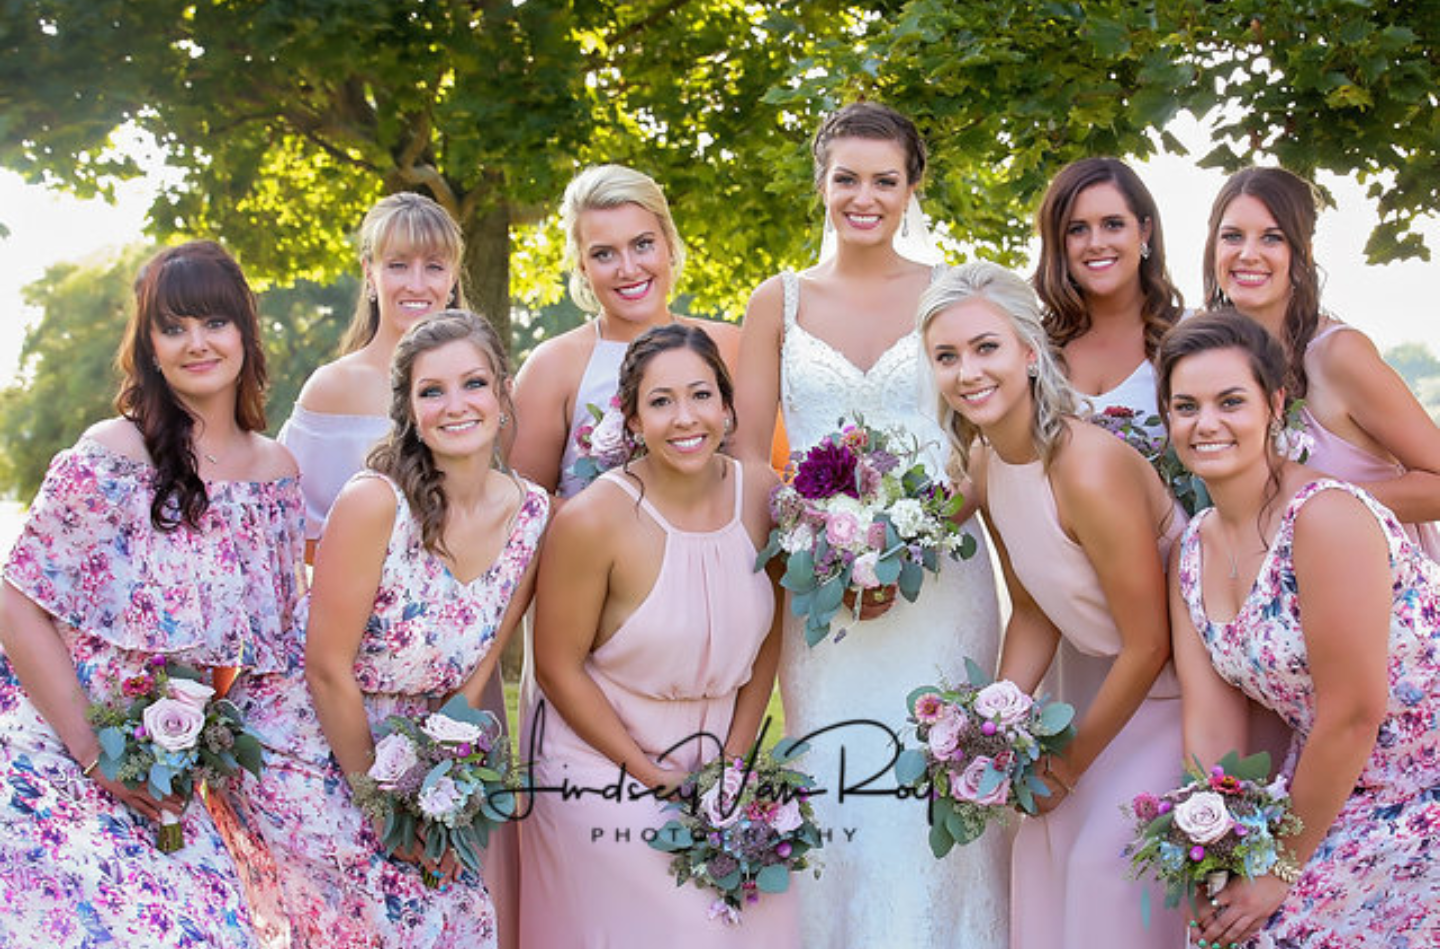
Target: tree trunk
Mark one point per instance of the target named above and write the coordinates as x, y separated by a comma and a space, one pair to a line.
487, 266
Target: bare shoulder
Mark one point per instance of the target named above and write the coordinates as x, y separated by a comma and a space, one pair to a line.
343, 387
364, 505
273, 460
760, 479
593, 518
1334, 518
1099, 470
766, 308
121, 436
559, 361
1346, 356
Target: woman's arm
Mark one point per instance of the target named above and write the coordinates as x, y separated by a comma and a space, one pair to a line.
542, 391
571, 591
754, 696
1030, 637
757, 392
1103, 494
348, 566
1378, 401
1215, 714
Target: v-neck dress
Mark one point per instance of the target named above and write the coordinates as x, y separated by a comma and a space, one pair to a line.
311, 855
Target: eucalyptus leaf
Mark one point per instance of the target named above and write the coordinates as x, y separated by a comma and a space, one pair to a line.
910, 766
773, 879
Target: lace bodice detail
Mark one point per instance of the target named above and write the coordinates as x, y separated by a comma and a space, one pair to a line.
818, 386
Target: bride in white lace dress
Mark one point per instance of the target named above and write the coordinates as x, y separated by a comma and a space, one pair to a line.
835, 340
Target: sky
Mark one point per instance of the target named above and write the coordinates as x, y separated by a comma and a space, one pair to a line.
1388, 302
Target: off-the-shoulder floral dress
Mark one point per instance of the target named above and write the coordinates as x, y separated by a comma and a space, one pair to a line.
1375, 879
328, 872
77, 868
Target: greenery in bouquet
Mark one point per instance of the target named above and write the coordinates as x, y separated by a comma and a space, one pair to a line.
1147, 436
859, 511
445, 780
981, 744
744, 826
1222, 822
601, 443
167, 733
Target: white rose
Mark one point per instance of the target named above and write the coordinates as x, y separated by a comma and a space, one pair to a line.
394, 756
908, 516
1004, 701
845, 504
862, 572
607, 442
190, 692
721, 804
172, 724
444, 728
440, 800
802, 537
787, 817
1203, 817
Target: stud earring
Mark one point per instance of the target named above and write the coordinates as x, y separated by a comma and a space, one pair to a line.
504, 420
639, 439
728, 425
1144, 250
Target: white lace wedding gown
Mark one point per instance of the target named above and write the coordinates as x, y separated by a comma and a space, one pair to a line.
880, 885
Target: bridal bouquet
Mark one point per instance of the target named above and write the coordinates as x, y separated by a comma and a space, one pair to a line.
1147, 436
169, 734
859, 512
600, 443
982, 743
744, 827
1219, 823
445, 779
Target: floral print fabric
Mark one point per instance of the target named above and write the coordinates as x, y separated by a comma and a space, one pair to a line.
1375, 879
77, 868
308, 853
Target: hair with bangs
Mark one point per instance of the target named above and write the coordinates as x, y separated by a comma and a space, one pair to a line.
1053, 397
406, 223
1066, 314
600, 188
197, 279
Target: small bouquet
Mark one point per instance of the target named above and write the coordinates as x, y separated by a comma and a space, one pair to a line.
600, 443
982, 743
1222, 822
171, 735
744, 827
1147, 436
858, 511
446, 779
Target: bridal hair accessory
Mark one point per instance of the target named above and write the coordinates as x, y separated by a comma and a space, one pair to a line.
912, 240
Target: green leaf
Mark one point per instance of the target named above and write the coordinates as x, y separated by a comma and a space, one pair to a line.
968, 546
674, 836
436, 773
940, 840
788, 749
112, 743
1055, 718
829, 597
887, 569
977, 677
799, 572
160, 781
248, 753
910, 766
912, 575
773, 879
990, 779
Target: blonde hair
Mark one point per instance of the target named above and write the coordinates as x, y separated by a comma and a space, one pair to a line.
601, 187
1013, 296
417, 224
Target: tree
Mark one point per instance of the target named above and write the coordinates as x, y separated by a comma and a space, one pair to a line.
288, 117
68, 378
1420, 369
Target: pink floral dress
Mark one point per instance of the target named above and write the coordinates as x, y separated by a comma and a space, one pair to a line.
1375, 879
77, 868
309, 855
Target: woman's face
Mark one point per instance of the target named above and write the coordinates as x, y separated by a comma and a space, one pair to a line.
679, 410
455, 399
200, 356
1103, 242
629, 263
1252, 260
981, 366
1218, 414
410, 284
866, 189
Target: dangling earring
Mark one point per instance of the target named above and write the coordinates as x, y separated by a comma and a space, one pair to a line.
504, 420
1277, 436
639, 439
454, 300
374, 297
1033, 370
728, 425
1144, 250
829, 224
905, 225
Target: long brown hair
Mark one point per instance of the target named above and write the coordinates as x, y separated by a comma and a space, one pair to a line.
401, 455
1293, 202
197, 279
1066, 314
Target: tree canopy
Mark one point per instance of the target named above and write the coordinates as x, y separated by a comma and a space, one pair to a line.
287, 118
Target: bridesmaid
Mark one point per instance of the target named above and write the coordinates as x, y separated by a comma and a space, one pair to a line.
1303, 594
1366, 425
652, 630
1083, 526
421, 577
625, 257
173, 531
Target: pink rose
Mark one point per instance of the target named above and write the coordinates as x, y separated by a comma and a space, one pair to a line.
945, 734
172, 724
1003, 701
720, 804
968, 787
862, 572
787, 817
190, 692
394, 757
842, 529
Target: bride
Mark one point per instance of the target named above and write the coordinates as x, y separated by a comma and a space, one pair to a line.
835, 340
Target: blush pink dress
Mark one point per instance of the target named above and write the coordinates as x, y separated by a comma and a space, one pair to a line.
671, 671
1069, 887
1340, 459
